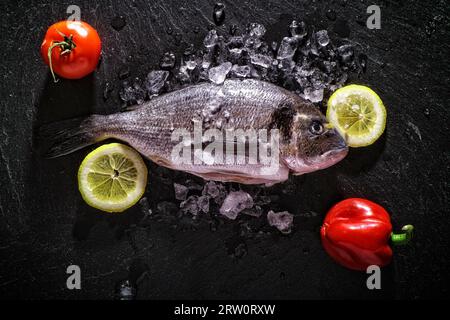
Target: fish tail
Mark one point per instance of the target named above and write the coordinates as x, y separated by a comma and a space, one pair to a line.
67, 136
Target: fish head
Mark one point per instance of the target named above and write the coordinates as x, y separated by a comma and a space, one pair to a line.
314, 144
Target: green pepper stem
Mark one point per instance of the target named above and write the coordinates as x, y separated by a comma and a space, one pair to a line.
404, 237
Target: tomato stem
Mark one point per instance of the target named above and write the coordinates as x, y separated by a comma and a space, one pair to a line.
404, 237
67, 45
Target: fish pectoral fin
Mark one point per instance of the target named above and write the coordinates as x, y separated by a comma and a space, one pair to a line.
162, 162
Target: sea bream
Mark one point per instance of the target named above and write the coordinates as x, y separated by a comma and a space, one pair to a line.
305, 142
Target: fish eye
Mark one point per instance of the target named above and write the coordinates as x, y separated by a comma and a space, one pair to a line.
316, 127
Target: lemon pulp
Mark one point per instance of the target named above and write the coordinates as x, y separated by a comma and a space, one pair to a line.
358, 113
112, 178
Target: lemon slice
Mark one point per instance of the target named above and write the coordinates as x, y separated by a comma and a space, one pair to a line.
112, 178
358, 113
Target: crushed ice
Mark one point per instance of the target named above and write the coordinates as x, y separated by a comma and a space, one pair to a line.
283, 221
306, 62
234, 203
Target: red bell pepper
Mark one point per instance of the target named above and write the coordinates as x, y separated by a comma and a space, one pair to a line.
356, 233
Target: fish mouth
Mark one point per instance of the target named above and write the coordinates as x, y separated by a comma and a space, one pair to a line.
332, 157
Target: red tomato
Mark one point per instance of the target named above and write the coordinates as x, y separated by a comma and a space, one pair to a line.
74, 47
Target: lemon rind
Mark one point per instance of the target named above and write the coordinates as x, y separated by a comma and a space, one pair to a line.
112, 206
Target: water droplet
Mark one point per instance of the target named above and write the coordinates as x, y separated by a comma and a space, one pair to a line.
362, 61
331, 14
426, 112
125, 291
274, 46
124, 73
107, 90
239, 251
196, 30
219, 13
178, 37
169, 30
118, 23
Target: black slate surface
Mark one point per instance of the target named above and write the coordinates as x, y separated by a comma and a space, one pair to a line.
45, 226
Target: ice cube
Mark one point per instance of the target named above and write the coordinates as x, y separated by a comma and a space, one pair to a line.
318, 79
132, 94
155, 81
190, 64
219, 73
203, 203
235, 42
207, 59
181, 191
190, 205
183, 75
327, 66
346, 53
322, 38
221, 53
145, 206
303, 71
252, 44
283, 221
298, 29
256, 30
261, 60
167, 61
215, 190
235, 54
126, 291
211, 39
219, 13
287, 48
241, 71
313, 95
234, 203
286, 65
